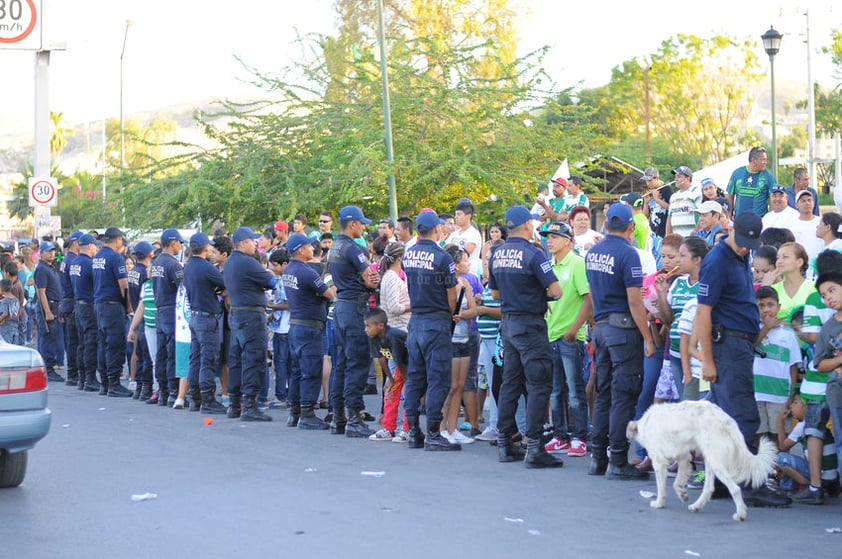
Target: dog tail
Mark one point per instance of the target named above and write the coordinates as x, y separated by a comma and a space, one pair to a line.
758, 466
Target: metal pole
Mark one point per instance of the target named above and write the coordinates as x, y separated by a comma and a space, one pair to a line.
811, 110
42, 213
774, 134
122, 135
387, 115
648, 117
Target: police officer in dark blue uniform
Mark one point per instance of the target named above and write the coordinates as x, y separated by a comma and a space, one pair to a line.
143, 364
522, 278
727, 321
621, 338
203, 283
82, 279
307, 296
67, 310
112, 305
353, 279
432, 284
48, 293
246, 280
166, 274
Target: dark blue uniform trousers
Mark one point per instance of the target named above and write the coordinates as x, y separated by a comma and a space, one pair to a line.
111, 323
204, 351
246, 352
165, 360
430, 353
352, 357
306, 345
733, 390
71, 336
86, 350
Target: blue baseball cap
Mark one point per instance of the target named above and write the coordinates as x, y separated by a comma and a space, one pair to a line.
198, 240
427, 221
243, 233
618, 216
46, 246
296, 241
172, 235
776, 188
707, 182
559, 228
74, 236
87, 239
353, 213
517, 216
141, 249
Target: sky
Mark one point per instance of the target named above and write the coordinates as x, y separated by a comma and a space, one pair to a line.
183, 51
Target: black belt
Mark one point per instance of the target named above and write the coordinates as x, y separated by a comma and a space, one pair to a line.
718, 332
618, 320
165, 307
247, 308
111, 302
203, 313
318, 324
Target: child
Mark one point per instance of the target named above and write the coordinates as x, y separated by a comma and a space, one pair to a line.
388, 343
9, 313
775, 363
279, 325
794, 469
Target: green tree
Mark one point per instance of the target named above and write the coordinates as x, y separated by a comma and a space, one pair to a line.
58, 134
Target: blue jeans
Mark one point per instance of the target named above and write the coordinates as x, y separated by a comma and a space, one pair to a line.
282, 363
204, 351
618, 359
569, 384
651, 372
307, 348
733, 390
527, 368
86, 355
677, 375
111, 324
352, 357
247, 352
165, 359
834, 404
429, 347
797, 463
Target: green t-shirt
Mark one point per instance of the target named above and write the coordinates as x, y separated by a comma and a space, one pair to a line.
641, 231
573, 280
788, 303
148, 298
815, 315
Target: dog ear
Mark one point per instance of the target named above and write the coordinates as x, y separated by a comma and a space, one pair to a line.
631, 430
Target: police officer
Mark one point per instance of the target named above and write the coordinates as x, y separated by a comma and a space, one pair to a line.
166, 274
432, 284
353, 279
727, 321
48, 293
307, 296
246, 280
143, 364
621, 338
67, 309
203, 282
112, 305
82, 279
522, 278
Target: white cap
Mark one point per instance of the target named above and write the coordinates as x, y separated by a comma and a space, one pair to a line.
709, 206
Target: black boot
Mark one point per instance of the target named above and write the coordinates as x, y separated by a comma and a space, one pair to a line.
91, 384
338, 423
507, 451
310, 421
209, 403
356, 427
235, 409
53, 376
138, 389
537, 457
294, 415
619, 468
72, 378
435, 440
195, 398
164, 398
415, 435
599, 462
146, 393
103, 386
117, 390
251, 411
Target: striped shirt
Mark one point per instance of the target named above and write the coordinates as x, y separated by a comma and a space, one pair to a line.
680, 292
815, 315
147, 295
683, 204
772, 377
488, 326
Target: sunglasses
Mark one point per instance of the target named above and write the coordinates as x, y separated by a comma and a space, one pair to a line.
324, 221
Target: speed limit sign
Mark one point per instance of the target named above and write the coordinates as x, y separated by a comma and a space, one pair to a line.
20, 24
43, 192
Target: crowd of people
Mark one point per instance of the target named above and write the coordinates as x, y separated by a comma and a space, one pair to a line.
548, 334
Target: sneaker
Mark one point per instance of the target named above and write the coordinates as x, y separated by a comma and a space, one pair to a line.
698, 480
762, 497
262, 405
457, 437
226, 400
808, 496
577, 448
489, 434
382, 435
365, 416
447, 436
179, 404
278, 405
401, 437
557, 446
465, 426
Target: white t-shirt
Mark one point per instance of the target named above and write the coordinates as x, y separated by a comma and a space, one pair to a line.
780, 220
805, 235
462, 238
683, 204
586, 239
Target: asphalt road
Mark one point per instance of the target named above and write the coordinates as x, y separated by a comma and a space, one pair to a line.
233, 488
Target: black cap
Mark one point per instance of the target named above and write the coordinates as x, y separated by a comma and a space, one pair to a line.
747, 227
112, 233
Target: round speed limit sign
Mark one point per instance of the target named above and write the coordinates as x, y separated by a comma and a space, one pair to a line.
20, 24
42, 192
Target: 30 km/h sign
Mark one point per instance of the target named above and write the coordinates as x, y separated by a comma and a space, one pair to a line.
42, 191
20, 24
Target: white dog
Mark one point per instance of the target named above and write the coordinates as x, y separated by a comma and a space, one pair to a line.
672, 431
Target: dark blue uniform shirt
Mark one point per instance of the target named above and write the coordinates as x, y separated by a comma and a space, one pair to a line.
82, 276
109, 267
166, 274
725, 283
304, 288
347, 262
47, 277
202, 281
430, 272
137, 277
245, 280
521, 273
66, 284
612, 266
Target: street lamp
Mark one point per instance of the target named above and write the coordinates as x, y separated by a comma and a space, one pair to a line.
129, 23
646, 66
772, 44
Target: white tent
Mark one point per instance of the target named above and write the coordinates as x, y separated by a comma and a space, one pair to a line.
720, 172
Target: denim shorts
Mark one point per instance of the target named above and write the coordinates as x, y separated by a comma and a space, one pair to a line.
461, 350
815, 421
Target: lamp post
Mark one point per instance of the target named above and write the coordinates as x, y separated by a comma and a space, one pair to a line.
646, 66
122, 135
772, 44
387, 116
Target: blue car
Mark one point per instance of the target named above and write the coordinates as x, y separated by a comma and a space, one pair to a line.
24, 416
